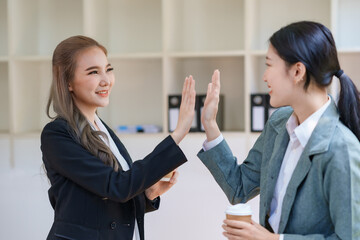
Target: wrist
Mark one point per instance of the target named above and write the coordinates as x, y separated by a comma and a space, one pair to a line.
277, 237
212, 130
150, 194
176, 136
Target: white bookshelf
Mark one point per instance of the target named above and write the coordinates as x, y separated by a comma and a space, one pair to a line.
269, 16
153, 45
4, 101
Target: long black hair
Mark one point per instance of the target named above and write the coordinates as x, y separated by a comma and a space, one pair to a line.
312, 44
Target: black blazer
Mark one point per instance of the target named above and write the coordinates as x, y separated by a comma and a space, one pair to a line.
91, 200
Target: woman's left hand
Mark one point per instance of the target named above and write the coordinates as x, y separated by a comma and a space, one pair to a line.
161, 187
236, 230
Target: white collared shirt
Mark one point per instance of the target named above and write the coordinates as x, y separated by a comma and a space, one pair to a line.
299, 136
125, 166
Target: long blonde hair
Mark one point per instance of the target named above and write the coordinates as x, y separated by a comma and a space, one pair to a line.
60, 98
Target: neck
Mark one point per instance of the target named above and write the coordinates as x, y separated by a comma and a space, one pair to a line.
308, 103
88, 112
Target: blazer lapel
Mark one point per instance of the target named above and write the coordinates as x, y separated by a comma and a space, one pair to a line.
318, 143
119, 145
300, 172
280, 146
122, 149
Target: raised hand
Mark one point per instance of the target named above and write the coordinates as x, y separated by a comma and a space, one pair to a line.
187, 110
210, 109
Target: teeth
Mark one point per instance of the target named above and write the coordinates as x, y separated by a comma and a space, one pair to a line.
103, 92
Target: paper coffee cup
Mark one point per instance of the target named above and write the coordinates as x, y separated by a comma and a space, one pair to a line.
167, 177
239, 212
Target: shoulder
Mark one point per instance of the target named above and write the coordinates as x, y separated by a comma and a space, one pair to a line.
345, 143
342, 153
279, 118
57, 126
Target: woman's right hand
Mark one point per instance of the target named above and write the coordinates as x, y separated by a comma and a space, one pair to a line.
187, 110
208, 115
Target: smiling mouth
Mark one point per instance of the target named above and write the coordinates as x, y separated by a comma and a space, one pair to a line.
103, 93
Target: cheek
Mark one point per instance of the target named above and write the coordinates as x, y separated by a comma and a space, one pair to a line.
111, 80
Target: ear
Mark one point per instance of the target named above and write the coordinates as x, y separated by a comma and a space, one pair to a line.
70, 87
299, 72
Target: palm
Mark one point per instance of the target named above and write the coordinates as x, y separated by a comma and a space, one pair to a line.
212, 99
161, 187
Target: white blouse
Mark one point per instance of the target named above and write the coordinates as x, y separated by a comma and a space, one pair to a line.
125, 166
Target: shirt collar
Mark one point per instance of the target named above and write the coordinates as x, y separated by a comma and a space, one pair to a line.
100, 124
102, 128
303, 132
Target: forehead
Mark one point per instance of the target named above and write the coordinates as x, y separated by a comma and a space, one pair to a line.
92, 56
272, 54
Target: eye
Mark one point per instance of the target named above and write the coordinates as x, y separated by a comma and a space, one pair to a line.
110, 69
93, 72
267, 64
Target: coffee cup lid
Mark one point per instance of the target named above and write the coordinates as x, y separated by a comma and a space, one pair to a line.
240, 209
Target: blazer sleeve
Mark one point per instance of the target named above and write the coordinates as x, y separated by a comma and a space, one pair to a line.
65, 156
152, 205
241, 182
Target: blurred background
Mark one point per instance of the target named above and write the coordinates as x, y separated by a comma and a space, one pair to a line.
153, 45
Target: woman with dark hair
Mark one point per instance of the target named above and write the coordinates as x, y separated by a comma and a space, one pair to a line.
97, 192
306, 163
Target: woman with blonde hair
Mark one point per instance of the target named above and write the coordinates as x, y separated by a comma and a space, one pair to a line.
97, 191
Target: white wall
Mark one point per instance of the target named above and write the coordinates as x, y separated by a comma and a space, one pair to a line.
193, 209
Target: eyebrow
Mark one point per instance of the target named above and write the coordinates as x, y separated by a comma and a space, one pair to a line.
267, 58
95, 67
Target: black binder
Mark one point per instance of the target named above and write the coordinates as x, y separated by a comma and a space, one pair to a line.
261, 111
270, 109
220, 114
174, 102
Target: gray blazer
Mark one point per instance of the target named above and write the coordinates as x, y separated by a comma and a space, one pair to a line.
322, 200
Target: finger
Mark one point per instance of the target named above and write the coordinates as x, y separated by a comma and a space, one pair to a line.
255, 224
192, 94
237, 224
189, 89
173, 178
216, 81
184, 88
234, 231
173, 182
231, 236
209, 89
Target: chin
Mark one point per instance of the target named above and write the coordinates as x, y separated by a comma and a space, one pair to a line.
104, 104
275, 104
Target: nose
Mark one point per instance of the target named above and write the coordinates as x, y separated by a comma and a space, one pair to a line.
105, 81
264, 77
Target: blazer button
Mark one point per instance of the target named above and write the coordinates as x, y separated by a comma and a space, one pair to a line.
113, 225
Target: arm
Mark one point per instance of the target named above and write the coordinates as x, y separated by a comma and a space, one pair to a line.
186, 116
239, 182
65, 156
